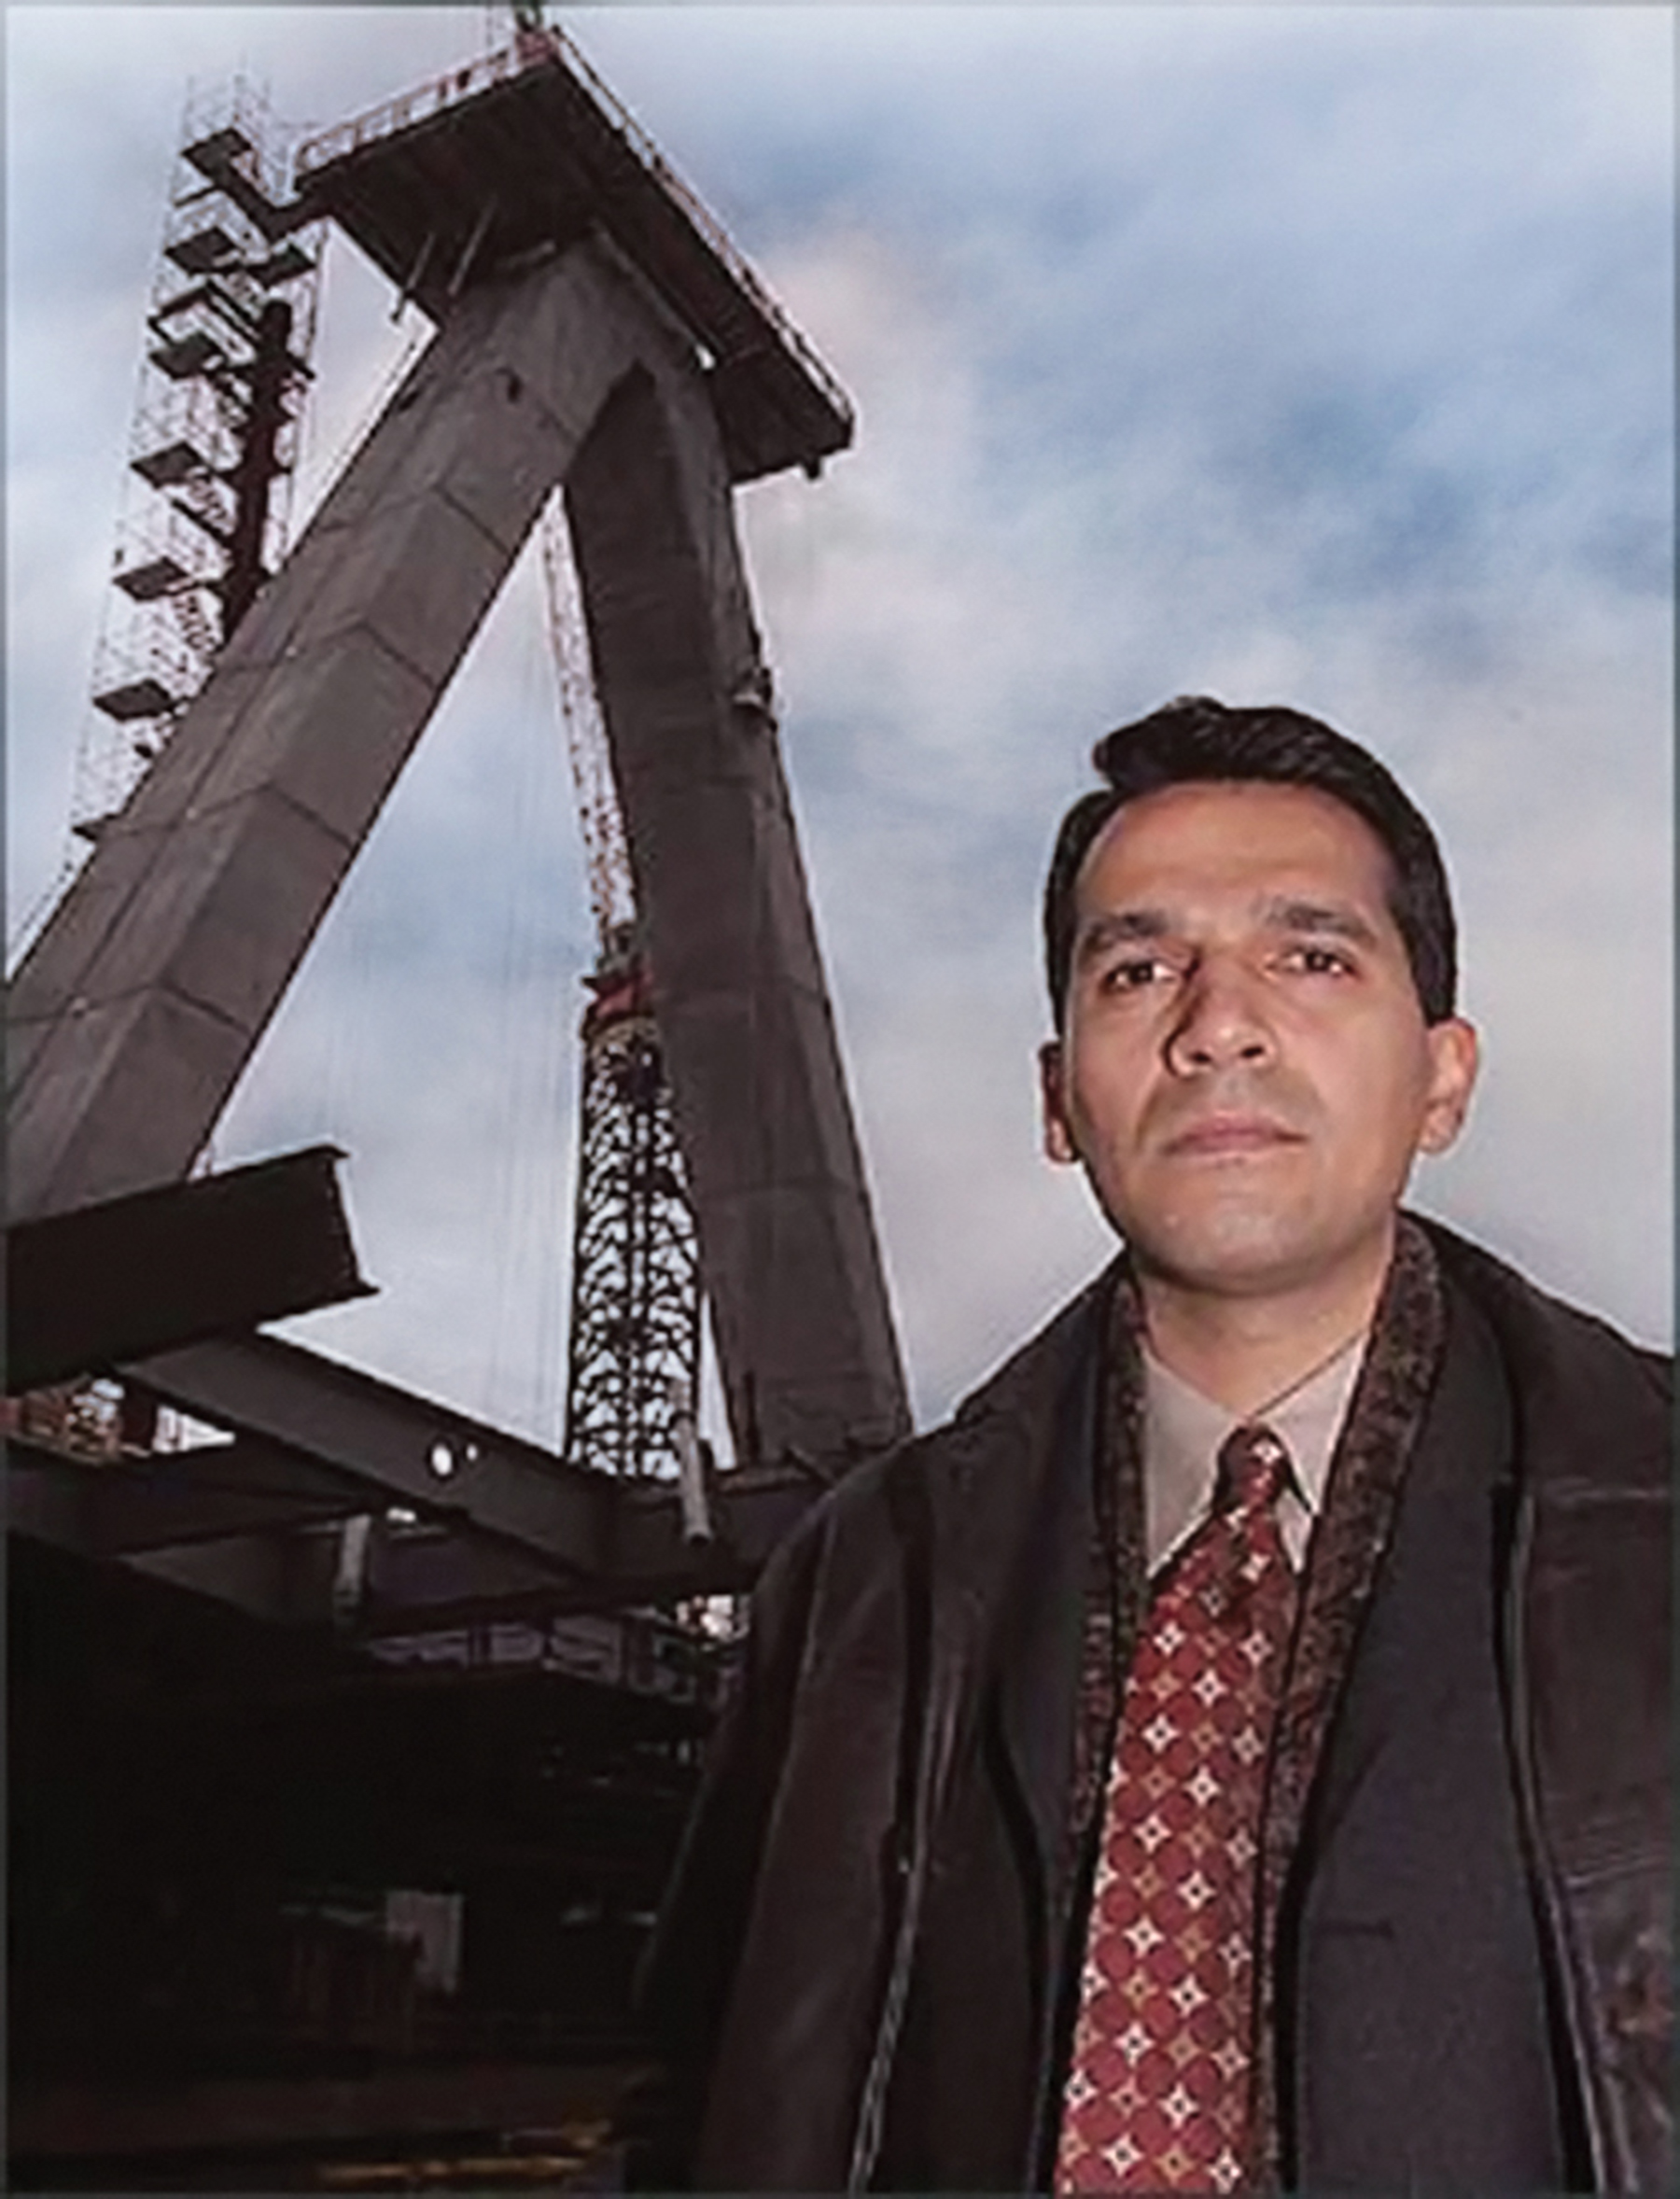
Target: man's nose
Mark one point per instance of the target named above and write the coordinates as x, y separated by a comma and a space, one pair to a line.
1221, 1022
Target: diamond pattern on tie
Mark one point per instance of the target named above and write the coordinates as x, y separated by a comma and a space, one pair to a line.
1158, 2096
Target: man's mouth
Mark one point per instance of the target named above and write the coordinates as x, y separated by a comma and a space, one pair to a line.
1213, 1135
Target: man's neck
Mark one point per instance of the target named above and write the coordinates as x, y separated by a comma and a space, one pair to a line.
1245, 1349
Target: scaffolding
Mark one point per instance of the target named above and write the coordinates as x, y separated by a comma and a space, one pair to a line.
213, 448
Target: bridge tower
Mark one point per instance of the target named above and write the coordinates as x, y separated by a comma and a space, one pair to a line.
597, 332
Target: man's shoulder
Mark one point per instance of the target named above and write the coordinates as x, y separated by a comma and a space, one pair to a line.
1538, 1318
1578, 1382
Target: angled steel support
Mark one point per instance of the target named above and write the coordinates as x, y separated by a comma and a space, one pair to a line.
142, 999
597, 1540
315, 1442
402, 1449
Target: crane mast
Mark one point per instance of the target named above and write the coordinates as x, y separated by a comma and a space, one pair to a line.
633, 1363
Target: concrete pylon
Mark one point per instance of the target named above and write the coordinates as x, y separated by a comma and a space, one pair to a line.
146, 994
799, 1312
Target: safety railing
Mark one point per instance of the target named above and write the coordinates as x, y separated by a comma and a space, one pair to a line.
536, 50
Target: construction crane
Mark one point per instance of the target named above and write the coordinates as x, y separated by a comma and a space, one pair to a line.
635, 1335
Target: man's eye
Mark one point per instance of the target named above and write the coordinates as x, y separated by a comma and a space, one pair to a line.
1320, 962
1135, 973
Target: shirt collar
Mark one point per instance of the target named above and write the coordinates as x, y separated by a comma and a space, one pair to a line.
1184, 1430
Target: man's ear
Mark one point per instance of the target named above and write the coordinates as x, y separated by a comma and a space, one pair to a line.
1454, 1054
1058, 1136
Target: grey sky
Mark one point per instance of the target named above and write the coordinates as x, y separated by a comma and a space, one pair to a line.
1316, 354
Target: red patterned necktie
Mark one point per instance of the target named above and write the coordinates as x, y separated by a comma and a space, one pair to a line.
1158, 2090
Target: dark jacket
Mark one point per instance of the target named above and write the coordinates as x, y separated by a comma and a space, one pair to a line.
858, 1975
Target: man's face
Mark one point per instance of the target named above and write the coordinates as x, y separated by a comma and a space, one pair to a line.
1245, 1070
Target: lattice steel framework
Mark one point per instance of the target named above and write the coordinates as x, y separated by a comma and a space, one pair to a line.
214, 444
634, 1350
633, 1360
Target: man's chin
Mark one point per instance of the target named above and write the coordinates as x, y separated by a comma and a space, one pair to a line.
1234, 1253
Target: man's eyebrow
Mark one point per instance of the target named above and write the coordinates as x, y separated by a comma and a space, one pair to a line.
1336, 917
1114, 927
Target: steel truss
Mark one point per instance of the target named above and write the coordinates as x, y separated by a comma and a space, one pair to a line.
634, 1361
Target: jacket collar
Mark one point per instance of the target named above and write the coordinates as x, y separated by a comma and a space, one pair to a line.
1011, 1500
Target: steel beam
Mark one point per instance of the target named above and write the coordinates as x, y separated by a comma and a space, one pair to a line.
399, 1448
166, 1268
601, 1541
166, 1500
315, 1442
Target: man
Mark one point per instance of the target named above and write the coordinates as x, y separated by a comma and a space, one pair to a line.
1231, 1753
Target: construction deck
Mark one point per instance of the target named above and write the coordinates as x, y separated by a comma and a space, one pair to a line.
523, 152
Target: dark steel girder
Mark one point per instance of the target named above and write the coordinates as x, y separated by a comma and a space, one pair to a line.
346, 1441
159, 1268
402, 1449
166, 1500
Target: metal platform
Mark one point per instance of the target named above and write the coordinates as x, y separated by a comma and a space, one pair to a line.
525, 151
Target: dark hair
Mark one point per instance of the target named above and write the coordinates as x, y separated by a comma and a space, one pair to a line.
1196, 738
